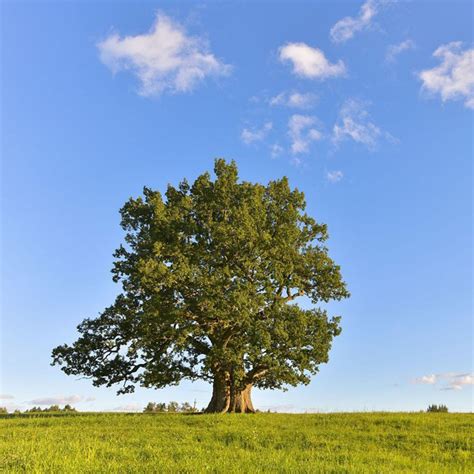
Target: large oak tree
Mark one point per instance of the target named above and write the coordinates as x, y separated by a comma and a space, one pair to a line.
211, 275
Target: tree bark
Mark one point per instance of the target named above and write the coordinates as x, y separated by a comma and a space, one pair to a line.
241, 402
220, 400
228, 399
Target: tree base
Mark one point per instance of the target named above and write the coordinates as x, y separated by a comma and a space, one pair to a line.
224, 401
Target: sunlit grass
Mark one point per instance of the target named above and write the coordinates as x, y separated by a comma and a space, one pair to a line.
362, 442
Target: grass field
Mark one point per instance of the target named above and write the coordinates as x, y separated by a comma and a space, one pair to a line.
338, 443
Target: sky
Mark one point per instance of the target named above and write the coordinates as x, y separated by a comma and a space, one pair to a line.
366, 107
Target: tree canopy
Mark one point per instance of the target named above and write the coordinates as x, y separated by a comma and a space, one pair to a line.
211, 275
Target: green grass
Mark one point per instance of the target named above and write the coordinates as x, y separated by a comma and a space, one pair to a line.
338, 443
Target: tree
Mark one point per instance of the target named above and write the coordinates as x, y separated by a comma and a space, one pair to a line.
172, 407
437, 409
155, 408
187, 408
211, 275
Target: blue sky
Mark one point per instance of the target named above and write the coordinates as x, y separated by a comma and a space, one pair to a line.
366, 107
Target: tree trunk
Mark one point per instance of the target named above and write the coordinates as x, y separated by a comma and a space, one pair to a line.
225, 399
241, 402
220, 400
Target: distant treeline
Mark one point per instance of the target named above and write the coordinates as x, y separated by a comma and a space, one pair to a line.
171, 407
437, 409
51, 409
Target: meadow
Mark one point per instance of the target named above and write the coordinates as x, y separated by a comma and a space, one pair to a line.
312, 443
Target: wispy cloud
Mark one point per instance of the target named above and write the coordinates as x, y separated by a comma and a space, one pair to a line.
334, 176
254, 135
395, 49
309, 62
6, 396
449, 380
164, 59
354, 123
130, 407
302, 132
295, 100
279, 408
346, 28
426, 379
60, 400
453, 78
276, 150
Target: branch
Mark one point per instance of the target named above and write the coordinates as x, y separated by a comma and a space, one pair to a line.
293, 296
200, 346
256, 373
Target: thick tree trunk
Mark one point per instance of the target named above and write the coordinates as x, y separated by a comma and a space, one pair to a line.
220, 400
241, 402
225, 399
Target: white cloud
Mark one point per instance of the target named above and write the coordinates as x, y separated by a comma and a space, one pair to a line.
279, 408
395, 49
61, 400
457, 382
276, 150
295, 100
354, 123
334, 176
451, 380
249, 136
302, 132
345, 29
130, 407
164, 59
427, 379
6, 396
310, 62
453, 78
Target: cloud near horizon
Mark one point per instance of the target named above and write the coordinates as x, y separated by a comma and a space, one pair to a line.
453, 78
309, 62
60, 400
6, 396
164, 59
130, 407
451, 380
346, 28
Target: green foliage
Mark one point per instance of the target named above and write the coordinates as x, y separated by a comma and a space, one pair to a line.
187, 408
211, 274
3, 411
384, 443
52, 409
155, 408
437, 409
172, 407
